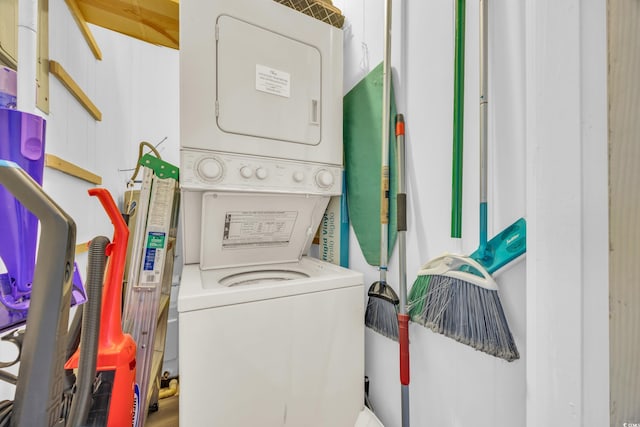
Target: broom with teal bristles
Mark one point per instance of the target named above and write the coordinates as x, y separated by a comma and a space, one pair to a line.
455, 295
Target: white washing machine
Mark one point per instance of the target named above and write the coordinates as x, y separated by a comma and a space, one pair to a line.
268, 337
272, 346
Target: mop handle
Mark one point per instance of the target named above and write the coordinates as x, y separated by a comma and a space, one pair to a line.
483, 122
384, 184
401, 212
403, 318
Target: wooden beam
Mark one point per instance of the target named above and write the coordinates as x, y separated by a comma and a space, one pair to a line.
66, 80
154, 21
55, 162
84, 28
42, 66
82, 247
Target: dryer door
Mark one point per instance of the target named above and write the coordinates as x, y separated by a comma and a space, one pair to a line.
268, 85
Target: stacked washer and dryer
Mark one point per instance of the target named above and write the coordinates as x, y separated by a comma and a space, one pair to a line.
268, 336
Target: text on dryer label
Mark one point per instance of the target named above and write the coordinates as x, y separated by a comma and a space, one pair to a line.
273, 81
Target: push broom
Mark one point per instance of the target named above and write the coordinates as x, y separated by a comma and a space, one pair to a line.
382, 307
455, 295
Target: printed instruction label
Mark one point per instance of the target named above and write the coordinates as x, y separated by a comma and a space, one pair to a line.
258, 229
273, 81
153, 258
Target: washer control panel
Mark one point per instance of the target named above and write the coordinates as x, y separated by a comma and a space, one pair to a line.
211, 170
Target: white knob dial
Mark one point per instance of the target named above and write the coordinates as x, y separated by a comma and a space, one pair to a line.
324, 178
261, 173
298, 176
210, 169
246, 172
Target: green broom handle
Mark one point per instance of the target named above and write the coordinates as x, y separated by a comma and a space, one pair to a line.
458, 122
384, 184
483, 124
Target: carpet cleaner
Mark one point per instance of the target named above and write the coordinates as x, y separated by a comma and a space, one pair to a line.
113, 403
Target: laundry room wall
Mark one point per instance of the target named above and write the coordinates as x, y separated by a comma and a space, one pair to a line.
561, 377
553, 298
135, 86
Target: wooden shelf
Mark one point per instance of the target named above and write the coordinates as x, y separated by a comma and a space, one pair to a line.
57, 70
84, 29
154, 21
55, 162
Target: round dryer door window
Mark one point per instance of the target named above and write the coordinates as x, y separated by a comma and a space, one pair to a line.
261, 276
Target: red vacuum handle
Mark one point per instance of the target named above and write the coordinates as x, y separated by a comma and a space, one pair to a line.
110, 327
403, 337
120, 227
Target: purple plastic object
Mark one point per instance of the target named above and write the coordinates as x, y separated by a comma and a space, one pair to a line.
8, 88
78, 293
22, 138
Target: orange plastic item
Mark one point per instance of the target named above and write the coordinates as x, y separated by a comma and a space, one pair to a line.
116, 360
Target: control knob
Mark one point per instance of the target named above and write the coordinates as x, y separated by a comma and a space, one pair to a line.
298, 176
261, 173
209, 169
324, 178
246, 172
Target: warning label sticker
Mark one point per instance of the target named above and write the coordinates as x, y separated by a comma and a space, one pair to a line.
273, 81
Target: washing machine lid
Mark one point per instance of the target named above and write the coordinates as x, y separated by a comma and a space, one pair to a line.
204, 289
244, 229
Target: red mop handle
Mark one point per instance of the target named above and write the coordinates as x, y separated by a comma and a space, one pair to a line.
403, 338
400, 128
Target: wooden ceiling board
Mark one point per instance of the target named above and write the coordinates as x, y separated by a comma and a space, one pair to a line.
154, 21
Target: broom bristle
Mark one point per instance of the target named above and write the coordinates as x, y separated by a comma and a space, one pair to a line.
382, 317
466, 313
416, 297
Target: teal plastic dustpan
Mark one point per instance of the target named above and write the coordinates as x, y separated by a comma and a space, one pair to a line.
505, 247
